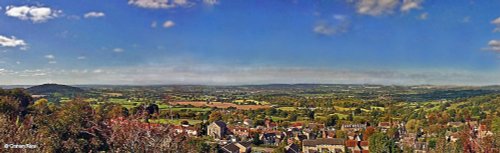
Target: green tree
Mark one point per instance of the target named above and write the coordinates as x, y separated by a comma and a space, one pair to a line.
381, 143
310, 114
331, 120
256, 140
215, 116
432, 144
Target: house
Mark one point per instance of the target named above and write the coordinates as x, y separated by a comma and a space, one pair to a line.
192, 131
484, 132
240, 132
248, 122
189, 130
357, 146
292, 148
310, 134
270, 124
217, 130
271, 138
384, 126
453, 137
316, 126
328, 134
365, 145
420, 147
300, 137
334, 145
351, 145
293, 131
355, 136
353, 127
297, 125
237, 147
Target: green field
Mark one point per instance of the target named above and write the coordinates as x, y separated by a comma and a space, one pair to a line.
194, 109
275, 118
287, 108
241, 102
380, 108
341, 116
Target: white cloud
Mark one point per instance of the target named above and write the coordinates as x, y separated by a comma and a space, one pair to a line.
375, 7
52, 62
94, 15
497, 23
409, 5
81, 57
33, 13
118, 50
50, 56
160, 4
493, 45
383, 7
168, 24
423, 16
211, 2
12, 42
181, 2
339, 25
324, 28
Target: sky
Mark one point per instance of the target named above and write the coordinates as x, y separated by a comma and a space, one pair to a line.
232, 42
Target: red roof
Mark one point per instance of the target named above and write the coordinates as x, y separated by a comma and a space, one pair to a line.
350, 143
483, 127
384, 124
365, 143
296, 124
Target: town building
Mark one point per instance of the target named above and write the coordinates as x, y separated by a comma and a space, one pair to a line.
333, 145
237, 147
353, 127
217, 130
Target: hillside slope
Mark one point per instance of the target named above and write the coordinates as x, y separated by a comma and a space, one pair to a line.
48, 89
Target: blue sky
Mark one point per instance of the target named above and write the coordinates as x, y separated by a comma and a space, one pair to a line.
250, 41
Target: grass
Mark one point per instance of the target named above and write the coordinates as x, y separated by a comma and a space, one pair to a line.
343, 108
122, 101
287, 108
275, 118
380, 108
349, 109
194, 109
241, 101
341, 116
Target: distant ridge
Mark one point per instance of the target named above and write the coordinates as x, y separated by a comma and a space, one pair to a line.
49, 89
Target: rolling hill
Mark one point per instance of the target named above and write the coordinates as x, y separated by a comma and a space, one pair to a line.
49, 89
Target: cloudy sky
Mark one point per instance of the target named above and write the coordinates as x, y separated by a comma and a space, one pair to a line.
222, 42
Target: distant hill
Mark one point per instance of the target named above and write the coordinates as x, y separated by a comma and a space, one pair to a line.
49, 89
